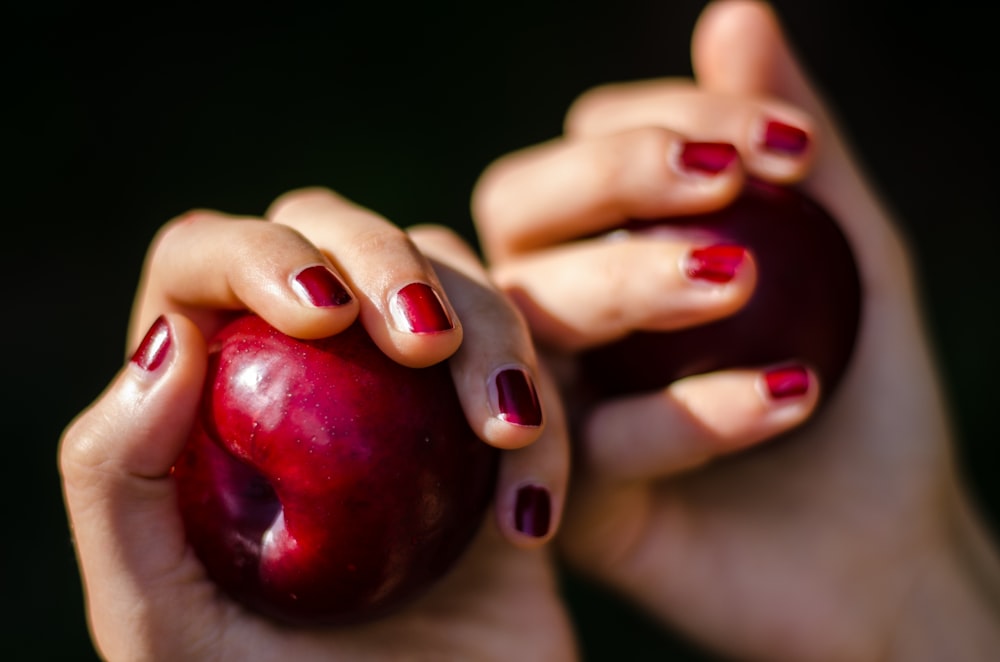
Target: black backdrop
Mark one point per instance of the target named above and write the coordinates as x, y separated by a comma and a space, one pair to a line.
121, 122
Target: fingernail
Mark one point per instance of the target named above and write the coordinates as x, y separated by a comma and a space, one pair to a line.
784, 139
320, 287
517, 401
787, 382
707, 158
154, 347
532, 511
716, 264
418, 309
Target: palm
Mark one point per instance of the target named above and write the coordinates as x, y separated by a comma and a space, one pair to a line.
758, 548
499, 603
769, 540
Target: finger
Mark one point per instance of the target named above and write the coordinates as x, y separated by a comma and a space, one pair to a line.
563, 190
495, 369
756, 59
584, 294
775, 139
695, 420
115, 462
531, 487
517, 407
205, 261
402, 303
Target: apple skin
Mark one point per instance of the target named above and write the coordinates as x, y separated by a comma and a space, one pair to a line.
806, 305
323, 483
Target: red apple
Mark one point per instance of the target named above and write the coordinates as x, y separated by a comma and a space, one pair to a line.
805, 307
324, 483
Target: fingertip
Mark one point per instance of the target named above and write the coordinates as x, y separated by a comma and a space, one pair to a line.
516, 412
654, 435
325, 303
741, 47
529, 514
743, 26
729, 269
138, 425
419, 308
532, 513
427, 342
533, 480
317, 286
791, 392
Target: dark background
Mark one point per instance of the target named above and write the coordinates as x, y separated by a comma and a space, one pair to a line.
119, 123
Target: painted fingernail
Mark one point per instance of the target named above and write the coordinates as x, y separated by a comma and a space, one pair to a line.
154, 347
517, 401
787, 382
784, 139
707, 158
532, 511
320, 287
716, 264
418, 309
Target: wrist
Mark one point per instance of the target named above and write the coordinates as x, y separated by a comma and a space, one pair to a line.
953, 609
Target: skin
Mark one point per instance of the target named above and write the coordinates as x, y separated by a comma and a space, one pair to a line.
846, 540
148, 597
851, 537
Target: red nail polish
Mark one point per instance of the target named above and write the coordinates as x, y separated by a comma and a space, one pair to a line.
785, 139
787, 382
532, 511
320, 287
707, 158
154, 347
716, 264
517, 400
417, 308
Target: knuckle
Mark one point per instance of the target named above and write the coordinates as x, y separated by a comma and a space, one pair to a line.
289, 203
491, 193
383, 239
169, 233
79, 451
630, 167
614, 273
271, 244
587, 109
440, 234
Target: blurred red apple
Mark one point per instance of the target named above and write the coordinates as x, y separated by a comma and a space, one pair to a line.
324, 483
805, 307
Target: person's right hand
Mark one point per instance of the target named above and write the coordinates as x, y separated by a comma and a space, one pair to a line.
850, 539
310, 268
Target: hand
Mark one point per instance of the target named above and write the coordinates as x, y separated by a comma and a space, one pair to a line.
853, 537
148, 596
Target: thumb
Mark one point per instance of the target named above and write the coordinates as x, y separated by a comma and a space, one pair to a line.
738, 48
115, 461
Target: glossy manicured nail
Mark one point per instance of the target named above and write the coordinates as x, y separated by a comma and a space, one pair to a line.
154, 347
784, 139
517, 401
716, 264
418, 309
532, 511
705, 158
319, 287
787, 382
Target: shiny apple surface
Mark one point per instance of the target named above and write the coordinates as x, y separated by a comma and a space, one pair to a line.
324, 483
